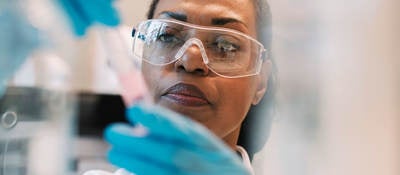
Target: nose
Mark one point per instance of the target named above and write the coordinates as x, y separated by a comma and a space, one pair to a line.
192, 58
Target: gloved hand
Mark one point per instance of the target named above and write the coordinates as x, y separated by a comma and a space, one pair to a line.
18, 39
162, 142
83, 13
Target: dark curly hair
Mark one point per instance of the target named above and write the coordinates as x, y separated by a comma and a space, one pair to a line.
256, 126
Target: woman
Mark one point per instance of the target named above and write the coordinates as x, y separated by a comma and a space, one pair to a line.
202, 60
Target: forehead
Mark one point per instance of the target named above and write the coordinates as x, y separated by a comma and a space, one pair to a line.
202, 12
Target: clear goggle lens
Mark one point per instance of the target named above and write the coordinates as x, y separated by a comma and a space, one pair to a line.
226, 52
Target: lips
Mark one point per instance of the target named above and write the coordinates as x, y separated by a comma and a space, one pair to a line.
185, 94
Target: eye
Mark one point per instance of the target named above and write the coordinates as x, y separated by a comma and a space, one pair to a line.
225, 46
167, 38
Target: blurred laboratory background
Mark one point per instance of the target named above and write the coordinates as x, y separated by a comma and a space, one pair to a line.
339, 91
338, 110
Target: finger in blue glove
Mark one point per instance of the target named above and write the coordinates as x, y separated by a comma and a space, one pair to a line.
101, 11
84, 13
178, 126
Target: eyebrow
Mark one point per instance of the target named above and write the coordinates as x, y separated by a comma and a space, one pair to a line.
223, 21
174, 15
214, 21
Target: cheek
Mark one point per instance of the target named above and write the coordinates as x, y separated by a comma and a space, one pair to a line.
147, 75
241, 91
235, 97
152, 75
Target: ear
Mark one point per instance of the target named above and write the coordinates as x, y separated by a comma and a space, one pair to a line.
262, 82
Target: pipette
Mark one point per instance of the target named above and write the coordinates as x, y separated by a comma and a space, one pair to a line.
127, 67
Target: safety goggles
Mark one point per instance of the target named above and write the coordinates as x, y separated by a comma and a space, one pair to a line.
226, 52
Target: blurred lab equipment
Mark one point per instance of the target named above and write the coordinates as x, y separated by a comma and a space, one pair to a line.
37, 117
95, 111
36, 124
36, 121
19, 38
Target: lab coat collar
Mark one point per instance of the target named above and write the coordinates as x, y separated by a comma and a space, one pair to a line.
245, 158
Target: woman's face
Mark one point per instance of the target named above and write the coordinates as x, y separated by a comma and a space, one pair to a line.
188, 87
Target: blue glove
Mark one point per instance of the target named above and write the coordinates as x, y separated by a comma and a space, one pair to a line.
165, 143
83, 13
18, 39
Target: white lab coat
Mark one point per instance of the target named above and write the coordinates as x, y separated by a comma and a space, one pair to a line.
245, 158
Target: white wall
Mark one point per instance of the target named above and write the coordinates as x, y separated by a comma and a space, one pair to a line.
340, 81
